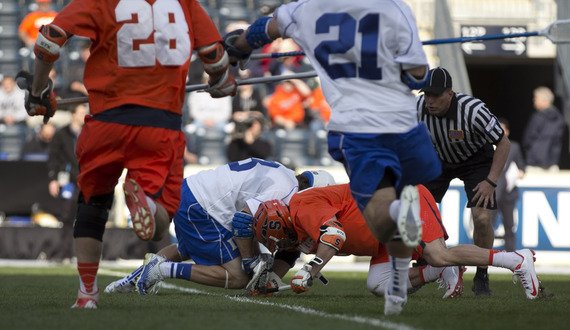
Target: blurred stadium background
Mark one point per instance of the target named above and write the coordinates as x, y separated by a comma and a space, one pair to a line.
503, 73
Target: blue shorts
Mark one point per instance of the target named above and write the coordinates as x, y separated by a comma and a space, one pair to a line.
410, 157
201, 237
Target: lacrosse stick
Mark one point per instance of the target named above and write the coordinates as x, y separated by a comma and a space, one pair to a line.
267, 290
558, 32
191, 88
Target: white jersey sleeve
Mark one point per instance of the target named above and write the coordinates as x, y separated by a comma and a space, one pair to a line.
359, 49
230, 188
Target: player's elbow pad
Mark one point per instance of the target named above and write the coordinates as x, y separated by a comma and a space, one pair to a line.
332, 236
413, 82
215, 59
50, 40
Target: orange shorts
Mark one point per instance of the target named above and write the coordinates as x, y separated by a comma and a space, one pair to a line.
432, 227
152, 156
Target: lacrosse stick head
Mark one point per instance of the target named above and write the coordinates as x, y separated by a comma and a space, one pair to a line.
273, 226
558, 32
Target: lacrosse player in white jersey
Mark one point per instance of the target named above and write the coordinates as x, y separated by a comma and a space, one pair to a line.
368, 57
211, 199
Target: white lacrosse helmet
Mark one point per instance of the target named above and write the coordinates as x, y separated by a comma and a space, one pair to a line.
319, 178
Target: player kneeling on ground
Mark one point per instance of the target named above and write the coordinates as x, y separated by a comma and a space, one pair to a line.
326, 222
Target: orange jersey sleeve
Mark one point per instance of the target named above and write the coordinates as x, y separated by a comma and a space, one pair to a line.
140, 51
33, 21
312, 207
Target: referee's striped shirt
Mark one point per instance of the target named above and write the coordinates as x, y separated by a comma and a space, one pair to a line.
463, 130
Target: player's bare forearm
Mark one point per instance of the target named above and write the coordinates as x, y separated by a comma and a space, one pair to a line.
324, 252
41, 76
417, 72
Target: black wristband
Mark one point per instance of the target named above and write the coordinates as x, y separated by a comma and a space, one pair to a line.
491, 182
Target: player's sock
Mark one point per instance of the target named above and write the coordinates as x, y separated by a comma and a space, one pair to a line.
88, 276
481, 272
394, 210
176, 270
505, 259
398, 285
151, 205
429, 273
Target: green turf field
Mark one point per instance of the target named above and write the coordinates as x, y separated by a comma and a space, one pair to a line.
39, 298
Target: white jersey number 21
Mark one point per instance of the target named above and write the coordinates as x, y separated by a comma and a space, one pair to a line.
368, 27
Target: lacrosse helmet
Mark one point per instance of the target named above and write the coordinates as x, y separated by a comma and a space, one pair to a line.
273, 226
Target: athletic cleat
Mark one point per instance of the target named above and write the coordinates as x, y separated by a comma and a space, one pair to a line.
121, 286
149, 281
451, 278
409, 221
393, 305
526, 274
141, 216
125, 284
481, 286
86, 300
260, 273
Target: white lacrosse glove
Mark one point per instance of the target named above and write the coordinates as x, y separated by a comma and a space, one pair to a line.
302, 281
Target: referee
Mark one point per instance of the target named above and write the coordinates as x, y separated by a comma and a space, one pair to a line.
463, 131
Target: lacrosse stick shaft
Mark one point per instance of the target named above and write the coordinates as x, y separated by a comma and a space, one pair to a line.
279, 289
545, 33
191, 88
428, 42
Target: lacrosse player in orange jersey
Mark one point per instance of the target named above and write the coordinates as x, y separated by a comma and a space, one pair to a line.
136, 81
326, 222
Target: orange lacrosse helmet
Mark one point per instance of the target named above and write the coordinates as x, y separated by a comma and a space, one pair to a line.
273, 226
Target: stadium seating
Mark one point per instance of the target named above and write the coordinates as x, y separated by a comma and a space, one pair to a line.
293, 147
210, 146
12, 139
9, 21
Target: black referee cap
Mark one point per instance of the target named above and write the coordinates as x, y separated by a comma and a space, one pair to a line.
439, 81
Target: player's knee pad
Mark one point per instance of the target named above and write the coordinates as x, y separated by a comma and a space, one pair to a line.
92, 216
215, 59
50, 39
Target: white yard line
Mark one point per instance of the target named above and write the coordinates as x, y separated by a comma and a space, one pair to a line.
299, 309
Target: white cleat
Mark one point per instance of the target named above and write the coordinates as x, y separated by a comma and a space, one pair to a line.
126, 284
526, 274
149, 281
409, 221
393, 305
451, 278
121, 286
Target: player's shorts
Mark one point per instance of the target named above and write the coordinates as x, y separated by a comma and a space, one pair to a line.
471, 172
432, 228
153, 157
410, 157
200, 237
